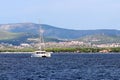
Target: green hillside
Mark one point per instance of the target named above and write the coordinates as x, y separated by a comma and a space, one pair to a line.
100, 39
5, 35
55, 32
20, 33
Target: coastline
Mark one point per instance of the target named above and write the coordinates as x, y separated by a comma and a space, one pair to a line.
16, 52
62, 53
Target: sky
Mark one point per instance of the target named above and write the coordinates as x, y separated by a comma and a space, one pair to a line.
69, 14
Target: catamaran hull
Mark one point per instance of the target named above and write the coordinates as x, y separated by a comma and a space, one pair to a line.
47, 54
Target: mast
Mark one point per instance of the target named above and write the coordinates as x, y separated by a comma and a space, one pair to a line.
41, 40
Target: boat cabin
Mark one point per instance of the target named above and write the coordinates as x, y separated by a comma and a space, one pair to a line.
40, 52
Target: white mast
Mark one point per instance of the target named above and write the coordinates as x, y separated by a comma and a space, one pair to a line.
41, 40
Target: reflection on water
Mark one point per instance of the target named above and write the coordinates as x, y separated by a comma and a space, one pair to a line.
60, 67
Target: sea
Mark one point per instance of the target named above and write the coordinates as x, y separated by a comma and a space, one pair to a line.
61, 66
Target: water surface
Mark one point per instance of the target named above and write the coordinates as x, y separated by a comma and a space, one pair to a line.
60, 67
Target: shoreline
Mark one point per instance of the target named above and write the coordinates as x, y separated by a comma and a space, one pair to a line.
16, 52
62, 53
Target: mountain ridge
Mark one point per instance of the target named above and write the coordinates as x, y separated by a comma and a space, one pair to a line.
31, 30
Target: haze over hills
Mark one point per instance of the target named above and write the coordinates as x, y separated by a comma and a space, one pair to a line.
23, 31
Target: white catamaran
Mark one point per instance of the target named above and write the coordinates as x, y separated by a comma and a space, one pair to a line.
41, 52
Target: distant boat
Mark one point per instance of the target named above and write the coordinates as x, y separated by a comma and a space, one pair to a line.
41, 52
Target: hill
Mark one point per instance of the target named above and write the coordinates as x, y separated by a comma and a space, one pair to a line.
8, 35
100, 39
23, 31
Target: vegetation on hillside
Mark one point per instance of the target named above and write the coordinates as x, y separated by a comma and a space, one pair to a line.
10, 32
5, 35
100, 39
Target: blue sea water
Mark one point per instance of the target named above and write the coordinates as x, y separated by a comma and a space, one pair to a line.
60, 67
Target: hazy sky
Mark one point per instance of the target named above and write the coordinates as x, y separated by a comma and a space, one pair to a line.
70, 14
